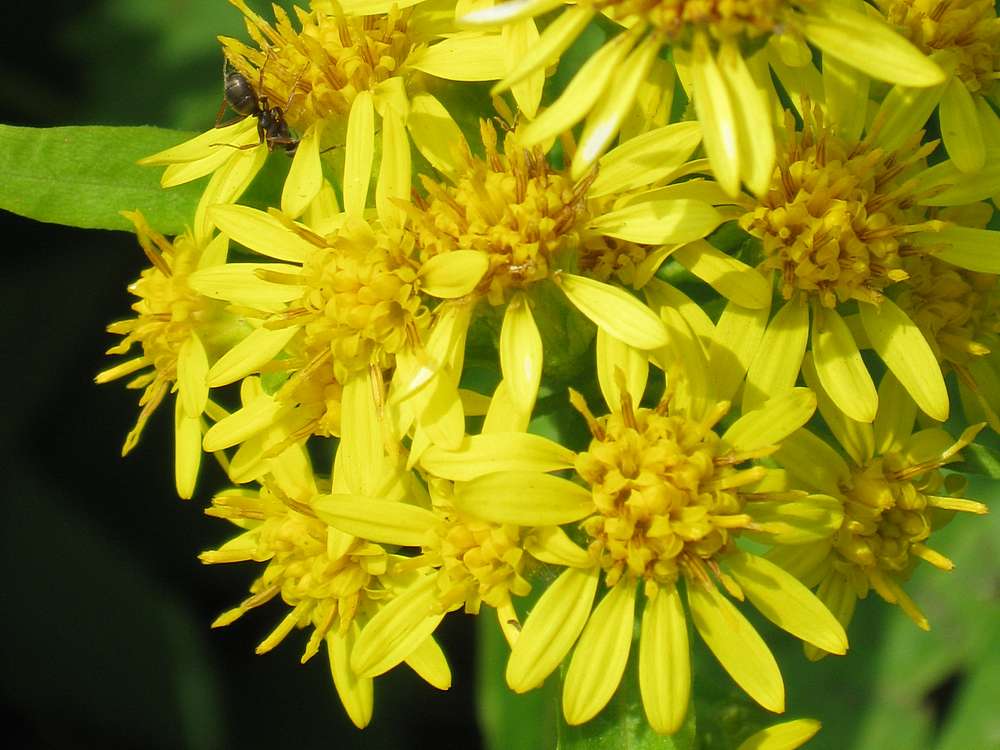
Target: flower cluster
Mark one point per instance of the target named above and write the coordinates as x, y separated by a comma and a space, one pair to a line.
726, 282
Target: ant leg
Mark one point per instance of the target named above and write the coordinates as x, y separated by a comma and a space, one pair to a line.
245, 147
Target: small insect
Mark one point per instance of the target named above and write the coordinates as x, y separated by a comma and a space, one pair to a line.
240, 96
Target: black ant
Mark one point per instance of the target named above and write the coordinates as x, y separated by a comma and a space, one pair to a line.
240, 96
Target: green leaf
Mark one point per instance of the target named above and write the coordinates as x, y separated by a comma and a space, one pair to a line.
622, 723
83, 176
979, 459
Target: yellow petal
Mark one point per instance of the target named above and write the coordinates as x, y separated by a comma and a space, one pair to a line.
717, 116
555, 40
203, 145
187, 451
241, 283
581, 93
436, 135
524, 498
605, 119
905, 351
960, 188
839, 365
660, 295
904, 111
894, 421
659, 222
960, 127
600, 656
305, 177
262, 233
729, 276
751, 117
376, 520
846, 97
737, 337
857, 438
226, 185
518, 40
869, 45
814, 519
786, 602
552, 628
465, 56
777, 418
693, 393
243, 423
513, 10
454, 274
357, 694
397, 629
974, 249
394, 170
552, 545
358, 153
779, 357
248, 356
521, 352
429, 661
737, 646
664, 662
192, 374
788, 735
614, 310
497, 452
646, 158
814, 463
614, 356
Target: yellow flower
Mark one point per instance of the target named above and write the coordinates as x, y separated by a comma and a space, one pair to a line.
506, 226
968, 32
660, 499
175, 327
714, 45
842, 212
893, 496
958, 312
333, 581
785, 736
338, 80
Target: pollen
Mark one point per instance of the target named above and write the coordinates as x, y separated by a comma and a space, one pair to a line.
957, 310
677, 19
315, 72
836, 217
324, 590
666, 493
513, 207
968, 28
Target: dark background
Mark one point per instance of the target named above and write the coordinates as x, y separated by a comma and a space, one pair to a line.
105, 638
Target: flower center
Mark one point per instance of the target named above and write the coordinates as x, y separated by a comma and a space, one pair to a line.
677, 19
957, 310
322, 590
968, 28
835, 218
665, 501
361, 302
314, 74
513, 207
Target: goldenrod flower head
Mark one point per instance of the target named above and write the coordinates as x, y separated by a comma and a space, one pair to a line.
968, 28
511, 206
836, 218
175, 326
660, 498
893, 496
